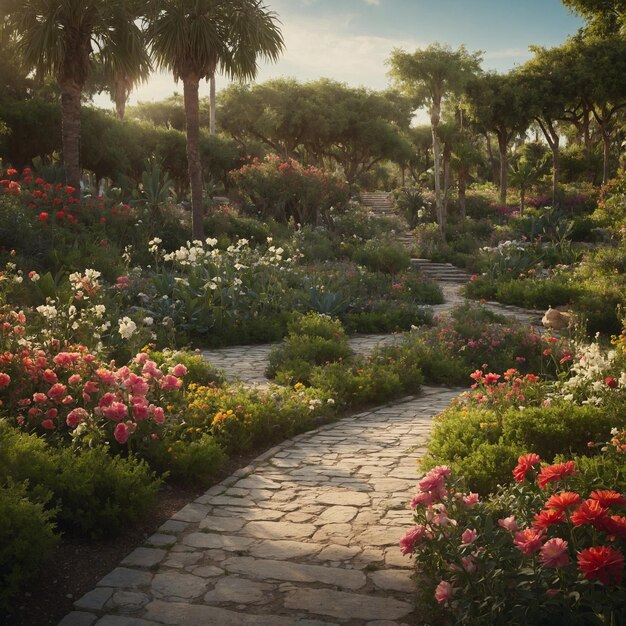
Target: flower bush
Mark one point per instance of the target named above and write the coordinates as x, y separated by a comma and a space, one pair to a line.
287, 190
549, 549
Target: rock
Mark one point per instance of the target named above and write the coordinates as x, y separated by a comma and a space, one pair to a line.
556, 320
144, 557
393, 580
337, 515
343, 497
381, 536
192, 512
212, 540
278, 530
348, 606
78, 618
222, 524
127, 578
338, 553
233, 589
95, 599
283, 550
178, 585
295, 572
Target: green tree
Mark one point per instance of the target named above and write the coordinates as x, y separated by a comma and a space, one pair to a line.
59, 38
194, 39
499, 104
527, 169
603, 17
428, 76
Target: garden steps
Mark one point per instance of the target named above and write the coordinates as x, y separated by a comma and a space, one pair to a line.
441, 272
378, 202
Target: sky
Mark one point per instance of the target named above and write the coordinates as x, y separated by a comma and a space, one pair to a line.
350, 40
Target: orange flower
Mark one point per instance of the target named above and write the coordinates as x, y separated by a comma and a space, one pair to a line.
524, 463
589, 512
547, 518
608, 498
562, 501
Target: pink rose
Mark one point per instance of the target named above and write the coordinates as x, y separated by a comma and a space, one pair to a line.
554, 553
75, 416
158, 415
444, 592
57, 391
469, 536
470, 500
171, 382
509, 523
121, 433
5, 380
48, 424
50, 377
116, 411
179, 370
74, 379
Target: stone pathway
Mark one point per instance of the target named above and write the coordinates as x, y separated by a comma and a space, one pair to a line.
248, 363
306, 535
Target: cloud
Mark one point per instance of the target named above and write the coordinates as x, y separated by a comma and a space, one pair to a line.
374, 3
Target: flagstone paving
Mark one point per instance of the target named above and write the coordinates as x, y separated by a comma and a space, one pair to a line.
306, 535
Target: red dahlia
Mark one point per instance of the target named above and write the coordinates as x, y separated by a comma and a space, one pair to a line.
602, 563
556, 472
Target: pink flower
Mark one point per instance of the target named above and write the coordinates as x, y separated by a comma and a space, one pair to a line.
529, 541
553, 553
179, 370
468, 564
90, 387
107, 399
470, 500
444, 592
74, 379
151, 370
413, 536
490, 379
5, 380
75, 416
57, 391
141, 358
48, 424
424, 498
50, 377
106, 377
121, 433
158, 415
136, 385
171, 382
39, 397
140, 411
469, 536
116, 411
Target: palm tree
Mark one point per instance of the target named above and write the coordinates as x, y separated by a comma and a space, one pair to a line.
58, 37
192, 39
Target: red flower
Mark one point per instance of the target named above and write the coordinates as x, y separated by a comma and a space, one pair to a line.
529, 540
547, 518
609, 381
5, 380
556, 472
589, 512
614, 525
42, 217
562, 501
602, 563
608, 498
490, 379
524, 463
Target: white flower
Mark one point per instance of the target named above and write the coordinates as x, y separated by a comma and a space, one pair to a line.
99, 310
48, 311
127, 328
34, 276
211, 242
148, 321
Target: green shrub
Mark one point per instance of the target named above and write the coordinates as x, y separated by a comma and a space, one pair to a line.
383, 256
197, 460
561, 428
99, 495
27, 540
381, 317
537, 294
359, 384
313, 340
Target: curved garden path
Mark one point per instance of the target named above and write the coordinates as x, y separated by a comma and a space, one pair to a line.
306, 535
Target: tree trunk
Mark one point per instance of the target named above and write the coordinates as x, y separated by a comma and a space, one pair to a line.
522, 199
462, 188
504, 165
192, 119
70, 131
434, 122
212, 105
553, 139
606, 155
447, 156
121, 96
